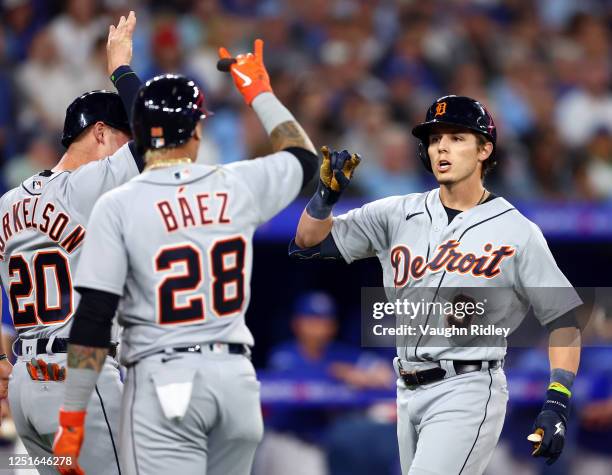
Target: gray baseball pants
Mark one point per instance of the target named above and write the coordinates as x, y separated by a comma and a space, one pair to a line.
451, 427
190, 414
35, 408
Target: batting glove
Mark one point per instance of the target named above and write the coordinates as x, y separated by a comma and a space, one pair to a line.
68, 441
40, 370
335, 175
248, 71
549, 427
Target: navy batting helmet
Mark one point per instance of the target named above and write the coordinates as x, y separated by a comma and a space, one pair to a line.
455, 110
166, 111
91, 107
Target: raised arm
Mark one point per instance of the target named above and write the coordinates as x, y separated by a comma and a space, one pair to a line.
119, 57
253, 82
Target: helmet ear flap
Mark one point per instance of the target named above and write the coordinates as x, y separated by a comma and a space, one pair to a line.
424, 156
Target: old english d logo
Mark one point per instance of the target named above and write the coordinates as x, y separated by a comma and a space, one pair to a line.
440, 109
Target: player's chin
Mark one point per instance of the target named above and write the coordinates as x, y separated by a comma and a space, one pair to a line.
444, 178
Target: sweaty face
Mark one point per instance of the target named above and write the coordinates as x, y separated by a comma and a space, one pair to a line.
454, 154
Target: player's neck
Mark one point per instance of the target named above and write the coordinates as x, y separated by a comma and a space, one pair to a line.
463, 195
76, 156
166, 162
168, 157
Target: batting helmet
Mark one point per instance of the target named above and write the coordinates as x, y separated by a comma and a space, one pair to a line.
166, 111
455, 110
91, 107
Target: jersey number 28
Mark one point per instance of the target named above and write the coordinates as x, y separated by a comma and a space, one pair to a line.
226, 262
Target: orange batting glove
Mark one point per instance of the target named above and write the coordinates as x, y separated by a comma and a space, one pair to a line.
249, 72
68, 441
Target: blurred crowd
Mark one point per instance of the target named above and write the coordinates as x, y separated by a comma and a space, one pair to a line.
358, 74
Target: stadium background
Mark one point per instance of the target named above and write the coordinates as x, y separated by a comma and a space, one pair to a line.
358, 75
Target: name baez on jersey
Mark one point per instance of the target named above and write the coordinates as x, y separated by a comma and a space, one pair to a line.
185, 206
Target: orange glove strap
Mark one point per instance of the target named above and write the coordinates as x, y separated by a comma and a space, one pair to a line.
72, 418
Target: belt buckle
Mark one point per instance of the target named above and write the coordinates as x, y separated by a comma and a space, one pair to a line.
29, 347
219, 347
410, 378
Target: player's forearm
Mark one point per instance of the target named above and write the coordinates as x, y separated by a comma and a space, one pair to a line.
312, 231
564, 356
281, 126
564, 349
84, 366
90, 338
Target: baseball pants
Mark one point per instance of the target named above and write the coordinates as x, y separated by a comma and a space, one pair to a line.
35, 407
452, 426
190, 413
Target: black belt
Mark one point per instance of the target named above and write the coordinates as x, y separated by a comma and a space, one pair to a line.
232, 348
59, 345
426, 376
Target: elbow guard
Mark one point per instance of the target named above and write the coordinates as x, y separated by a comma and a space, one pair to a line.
326, 249
92, 322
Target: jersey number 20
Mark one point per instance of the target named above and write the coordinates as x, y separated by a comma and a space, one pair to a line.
46, 266
226, 262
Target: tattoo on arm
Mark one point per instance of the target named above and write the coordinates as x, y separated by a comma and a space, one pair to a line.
86, 357
290, 134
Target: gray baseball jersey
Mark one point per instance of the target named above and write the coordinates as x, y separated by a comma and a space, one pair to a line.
43, 230
176, 244
490, 250
42, 233
490, 245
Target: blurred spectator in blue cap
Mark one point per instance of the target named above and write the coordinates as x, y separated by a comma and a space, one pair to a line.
295, 438
313, 350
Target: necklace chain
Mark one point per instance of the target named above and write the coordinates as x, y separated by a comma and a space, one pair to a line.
484, 191
167, 162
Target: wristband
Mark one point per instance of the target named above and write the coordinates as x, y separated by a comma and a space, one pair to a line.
3, 357
560, 388
322, 202
120, 72
82, 383
271, 111
562, 377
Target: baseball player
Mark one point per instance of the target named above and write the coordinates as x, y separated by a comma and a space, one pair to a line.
175, 244
44, 224
452, 398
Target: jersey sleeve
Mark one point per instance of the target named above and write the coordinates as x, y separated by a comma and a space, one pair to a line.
362, 232
541, 281
86, 184
104, 261
274, 181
